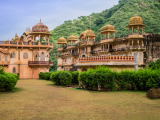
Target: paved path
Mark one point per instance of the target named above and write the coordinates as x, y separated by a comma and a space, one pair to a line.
39, 100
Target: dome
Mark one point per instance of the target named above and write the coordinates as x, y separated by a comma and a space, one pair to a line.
107, 27
72, 38
61, 40
40, 27
27, 32
88, 33
16, 37
135, 20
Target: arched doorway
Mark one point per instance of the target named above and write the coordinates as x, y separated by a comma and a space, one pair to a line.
83, 56
36, 57
42, 57
110, 46
84, 69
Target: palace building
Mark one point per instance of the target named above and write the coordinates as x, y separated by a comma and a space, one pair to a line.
25, 56
116, 53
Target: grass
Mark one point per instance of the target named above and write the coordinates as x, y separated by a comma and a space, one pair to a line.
40, 99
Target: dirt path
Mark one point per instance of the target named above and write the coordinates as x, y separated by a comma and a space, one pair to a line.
37, 100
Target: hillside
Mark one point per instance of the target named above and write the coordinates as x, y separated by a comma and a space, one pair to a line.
118, 16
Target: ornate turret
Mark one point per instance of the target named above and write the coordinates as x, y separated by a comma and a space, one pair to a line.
61, 40
87, 35
107, 32
135, 22
16, 38
40, 30
71, 39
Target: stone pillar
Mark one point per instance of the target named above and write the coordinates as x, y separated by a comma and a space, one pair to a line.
108, 35
132, 42
142, 43
142, 31
39, 38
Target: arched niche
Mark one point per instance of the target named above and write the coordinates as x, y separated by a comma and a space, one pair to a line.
14, 70
25, 56
42, 56
36, 56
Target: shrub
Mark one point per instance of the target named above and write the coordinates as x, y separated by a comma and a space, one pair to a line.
61, 78
75, 75
153, 93
41, 75
101, 75
47, 75
7, 80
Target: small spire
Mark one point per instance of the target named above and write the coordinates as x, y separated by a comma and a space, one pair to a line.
40, 20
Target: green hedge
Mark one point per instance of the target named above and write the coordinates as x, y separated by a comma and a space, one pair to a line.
75, 75
45, 75
7, 80
112, 80
61, 78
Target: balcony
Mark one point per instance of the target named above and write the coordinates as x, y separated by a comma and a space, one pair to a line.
26, 44
40, 63
96, 59
136, 47
135, 35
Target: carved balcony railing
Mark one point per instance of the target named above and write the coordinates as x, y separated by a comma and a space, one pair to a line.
34, 43
25, 44
39, 63
107, 58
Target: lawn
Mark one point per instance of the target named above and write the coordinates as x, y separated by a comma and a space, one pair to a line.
38, 100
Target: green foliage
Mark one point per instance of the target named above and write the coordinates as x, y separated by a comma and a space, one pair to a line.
7, 80
75, 75
62, 78
139, 80
45, 75
41, 75
101, 75
154, 65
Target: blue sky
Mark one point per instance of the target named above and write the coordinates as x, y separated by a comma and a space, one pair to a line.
17, 15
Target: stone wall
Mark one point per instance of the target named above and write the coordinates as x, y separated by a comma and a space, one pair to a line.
152, 43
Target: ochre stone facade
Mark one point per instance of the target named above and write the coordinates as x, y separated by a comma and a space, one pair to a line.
116, 53
24, 55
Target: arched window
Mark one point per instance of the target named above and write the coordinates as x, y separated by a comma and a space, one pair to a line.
84, 69
25, 56
13, 55
5, 58
14, 70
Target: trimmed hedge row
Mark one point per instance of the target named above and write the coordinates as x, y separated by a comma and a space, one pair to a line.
7, 80
113, 80
60, 77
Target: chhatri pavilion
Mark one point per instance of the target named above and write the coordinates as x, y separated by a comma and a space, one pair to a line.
24, 55
116, 53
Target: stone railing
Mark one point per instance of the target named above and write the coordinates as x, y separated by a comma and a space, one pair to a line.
12, 43
106, 58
